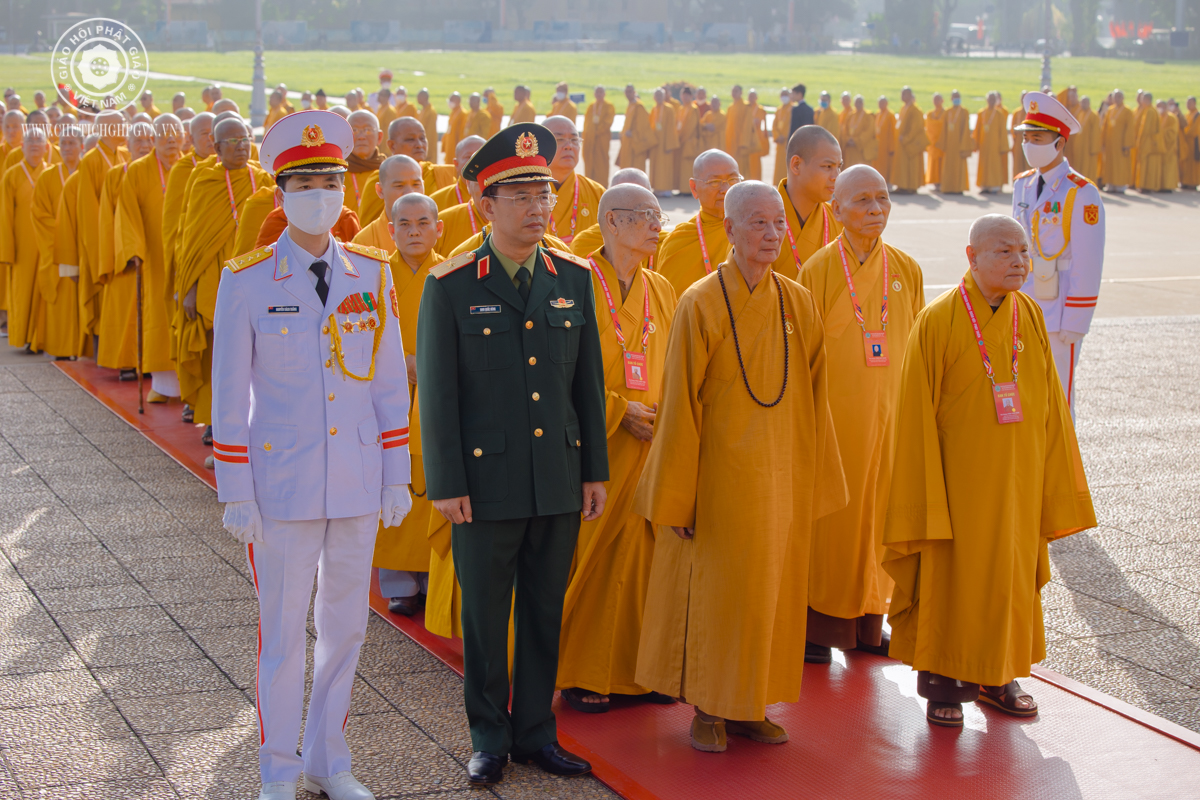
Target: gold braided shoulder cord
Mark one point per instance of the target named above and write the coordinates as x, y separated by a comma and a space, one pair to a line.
336, 333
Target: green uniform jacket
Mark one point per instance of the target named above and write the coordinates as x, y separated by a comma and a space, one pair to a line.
511, 396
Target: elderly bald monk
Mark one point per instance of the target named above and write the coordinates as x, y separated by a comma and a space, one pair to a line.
739, 131
365, 158
199, 130
1147, 152
868, 294
957, 145
986, 474
108, 152
589, 240
908, 170
407, 137
139, 245
403, 553
398, 176
456, 193
18, 242
1118, 136
695, 248
935, 122
743, 442
991, 140
462, 221
212, 211
13, 127
637, 134
814, 162
597, 137
578, 195
61, 336
602, 612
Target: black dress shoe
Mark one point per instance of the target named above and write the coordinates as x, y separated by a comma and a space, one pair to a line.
484, 769
880, 649
817, 653
554, 759
404, 605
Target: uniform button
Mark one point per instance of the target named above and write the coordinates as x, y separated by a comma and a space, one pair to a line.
283, 331
537, 431
532, 361
267, 446
333, 431
577, 443
478, 452
328, 363
331, 396
528, 324
325, 329
536, 397
487, 331
567, 324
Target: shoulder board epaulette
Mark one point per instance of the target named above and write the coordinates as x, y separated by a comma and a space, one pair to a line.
458, 262
250, 259
1025, 174
1078, 180
366, 250
574, 259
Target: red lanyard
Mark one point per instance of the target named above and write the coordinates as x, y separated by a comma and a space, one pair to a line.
471, 214
858, 314
703, 246
357, 199
574, 213
232, 201
612, 307
458, 192
162, 179
987, 362
824, 237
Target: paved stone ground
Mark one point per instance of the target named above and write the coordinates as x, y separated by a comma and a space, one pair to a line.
127, 617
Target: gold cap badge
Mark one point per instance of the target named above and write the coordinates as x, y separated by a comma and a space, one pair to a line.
527, 146
312, 136
1033, 106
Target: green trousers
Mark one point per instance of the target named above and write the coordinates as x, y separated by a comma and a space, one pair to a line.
492, 558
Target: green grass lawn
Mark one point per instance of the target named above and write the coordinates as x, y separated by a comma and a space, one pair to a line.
443, 72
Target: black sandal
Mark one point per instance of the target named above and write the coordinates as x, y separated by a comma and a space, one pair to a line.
943, 722
189, 414
574, 698
206, 439
817, 653
1005, 698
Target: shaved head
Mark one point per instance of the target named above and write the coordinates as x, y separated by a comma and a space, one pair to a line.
200, 128
630, 221
364, 117
743, 200
630, 175
467, 148
560, 126
808, 140
225, 104
625, 195
713, 162
397, 165
991, 226
415, 202
406, 135
858, 178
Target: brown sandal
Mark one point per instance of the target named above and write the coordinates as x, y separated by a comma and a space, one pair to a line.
945, 722
1005, 698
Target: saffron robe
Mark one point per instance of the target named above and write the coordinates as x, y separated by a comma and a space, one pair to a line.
564, 108
1087, 147
54, 226
19, 250
1019, 164
1189, 151
637, 137
113, 321
589, 240
428, 116
254, 214
991, 140
357, 187
828, 119
687, 126
459, 223
725, 617
739, 135
859, 146
453, 135
662, 155
680, 256
477, 123
435, 176
495, 113
568, 217
885, 138
376, 235
810, 236
597, 140
1147, 164
957, 144
1117, 140
908, 169
93, 168
712, 130
1169, 132
452, 195
276, 222
177, 181
522, 112
972, 497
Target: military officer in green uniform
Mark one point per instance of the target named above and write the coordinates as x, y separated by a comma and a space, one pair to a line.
512, 419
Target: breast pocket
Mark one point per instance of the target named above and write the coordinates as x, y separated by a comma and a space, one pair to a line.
279, 342
272, 460
372, 454
565, 326
357, 348
488, 343
487, 466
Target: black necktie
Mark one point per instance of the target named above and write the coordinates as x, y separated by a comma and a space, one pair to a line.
523, 284
318, 268
1041, 185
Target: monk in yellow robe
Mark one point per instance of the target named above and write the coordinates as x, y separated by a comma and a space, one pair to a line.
1189, 147
712, 126
991, 140
561, 104
761, 138
478, 121
454, 127
885, 139
398, 176
979, 487
780, 129
364, 159
427, 115
637, 134
93, 168
1148, 152
687, 130
843, 116
13, 129
461, 222
724, 623
578, 196
456, 193
1117, 140
18, 241
1019, 164
957, 144
1169, 139
602, 611
406, 137
739, 131
523, 111
206, 235
54, 227
813, 158
199, 133
857, 136
695, 248
666, 135
908, 170
848, 591
495, 112
258, 207
385, 114
1087, 144
276, 111
589, 240
597, 137
825, 115
403, 553
35, 119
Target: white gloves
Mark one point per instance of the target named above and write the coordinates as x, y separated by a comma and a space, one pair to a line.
397, 502
1069, 337
243, 521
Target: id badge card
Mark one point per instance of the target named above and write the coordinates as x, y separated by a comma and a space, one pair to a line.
1008, 403
635, 372
875, 345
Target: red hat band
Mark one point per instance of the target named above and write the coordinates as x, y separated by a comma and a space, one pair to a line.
1049, 122
304, 154
513, 165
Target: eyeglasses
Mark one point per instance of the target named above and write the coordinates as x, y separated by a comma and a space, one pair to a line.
525, 201
236, 141
574, 141
721, 183
647, 215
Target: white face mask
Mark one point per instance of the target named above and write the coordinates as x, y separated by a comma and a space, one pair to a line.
1040, 155
306, 103
401, 99
385, 85
560, 96
313, 211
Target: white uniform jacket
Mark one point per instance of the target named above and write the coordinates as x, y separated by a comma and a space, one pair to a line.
1082, 260
289, 429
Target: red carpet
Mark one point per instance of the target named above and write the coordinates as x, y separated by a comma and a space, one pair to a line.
859, 730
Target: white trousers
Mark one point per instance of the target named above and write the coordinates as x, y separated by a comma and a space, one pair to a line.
402, 583
1066, 356
165, 383
338, 552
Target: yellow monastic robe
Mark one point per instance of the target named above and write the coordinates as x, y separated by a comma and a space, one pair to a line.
19, 250
957, 144
208, 229
376, 235
662, 155
908, 171
53, 225
845, 578
827, 118
1169, 125
972, 497
93, 169
885, 139
597, 140
459, 223
452, 195
1189, 151
1019, 164
254, 213
453, 135
564, 108
1147, 168
436, 176
359, 186
139, 218
637, 137
407, 546
739, 135
1117, 140
386, 115
406, 110
991, 140
725, 611
571, 215
275, 114
177, 182
681, 257
495, 113
843, 131
687, 127
478, 123
1087, 147
602, 611
14, 157
112, 322
712, 130
523, 112
860, 146
801, 240
589, 240
427, 116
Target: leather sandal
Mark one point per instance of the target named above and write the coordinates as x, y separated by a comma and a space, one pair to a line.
1005, 698
575, 699
944, 722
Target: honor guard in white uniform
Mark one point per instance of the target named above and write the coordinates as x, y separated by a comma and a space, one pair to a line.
1063, 216
310, 438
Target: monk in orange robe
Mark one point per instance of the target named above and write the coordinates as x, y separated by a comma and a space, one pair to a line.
885, 138
813, 158
398, 176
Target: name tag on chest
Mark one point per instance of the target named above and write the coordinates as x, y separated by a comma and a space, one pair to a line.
486, 309
1008, 403
283, 309
875, 345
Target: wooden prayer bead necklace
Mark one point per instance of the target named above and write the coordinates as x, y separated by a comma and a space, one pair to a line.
738, 347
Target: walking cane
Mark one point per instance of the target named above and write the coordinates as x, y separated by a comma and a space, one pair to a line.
141, 402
